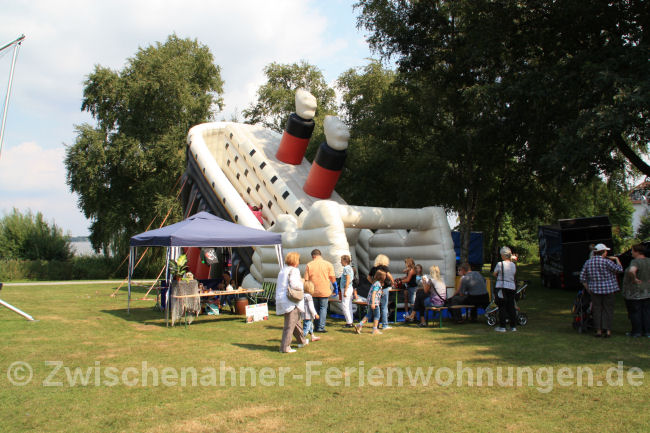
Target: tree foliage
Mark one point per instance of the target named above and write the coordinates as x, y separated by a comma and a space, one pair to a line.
643, 232
374, 151
511, 103
276, 98
125, 167
29, 237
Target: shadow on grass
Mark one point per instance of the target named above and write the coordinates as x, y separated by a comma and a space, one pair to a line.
258, 347
149, 316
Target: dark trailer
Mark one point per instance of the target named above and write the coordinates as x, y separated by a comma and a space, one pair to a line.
564, 248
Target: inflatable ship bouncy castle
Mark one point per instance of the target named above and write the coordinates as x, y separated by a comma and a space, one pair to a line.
258, 178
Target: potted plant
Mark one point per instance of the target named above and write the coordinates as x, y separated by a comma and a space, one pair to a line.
178, 267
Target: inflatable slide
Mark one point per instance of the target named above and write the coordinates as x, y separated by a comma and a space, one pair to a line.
258, 178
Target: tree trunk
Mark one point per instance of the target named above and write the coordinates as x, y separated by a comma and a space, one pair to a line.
466, 217
496, 228
465, 231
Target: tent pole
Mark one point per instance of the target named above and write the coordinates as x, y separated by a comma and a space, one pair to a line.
128, 305
169, 288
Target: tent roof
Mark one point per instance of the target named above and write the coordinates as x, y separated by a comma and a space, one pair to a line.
205, 230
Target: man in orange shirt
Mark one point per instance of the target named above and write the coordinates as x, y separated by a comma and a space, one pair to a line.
321, 273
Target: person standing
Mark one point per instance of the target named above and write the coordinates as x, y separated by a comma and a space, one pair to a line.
309, 314
347, 290
505, 287
636, 291
381, 264
598, 275
290, 276
411, 285
320, 272
374, 298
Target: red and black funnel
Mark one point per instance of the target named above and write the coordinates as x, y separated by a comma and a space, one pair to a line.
325, 171
295, 139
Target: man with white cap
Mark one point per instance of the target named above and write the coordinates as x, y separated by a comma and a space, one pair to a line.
599, 278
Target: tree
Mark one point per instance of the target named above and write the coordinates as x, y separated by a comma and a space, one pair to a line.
643, 232
514, 100
366, 107
30, 237
452, 114
276, 98
125, 167
582, 87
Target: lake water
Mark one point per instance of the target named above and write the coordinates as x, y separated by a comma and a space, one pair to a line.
82, 248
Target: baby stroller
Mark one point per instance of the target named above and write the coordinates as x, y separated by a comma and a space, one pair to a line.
581, 310
492, 310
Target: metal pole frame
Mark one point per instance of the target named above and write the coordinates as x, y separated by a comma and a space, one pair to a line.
17, 43
16, 310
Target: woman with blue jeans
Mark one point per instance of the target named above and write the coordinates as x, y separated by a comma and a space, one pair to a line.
381, 263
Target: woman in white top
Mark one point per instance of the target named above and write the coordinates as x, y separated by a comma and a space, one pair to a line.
346, 289
290, 276
505, 287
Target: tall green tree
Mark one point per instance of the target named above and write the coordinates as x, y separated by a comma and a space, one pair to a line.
514, 100
451, 110
124, 168
366, 107
276, 98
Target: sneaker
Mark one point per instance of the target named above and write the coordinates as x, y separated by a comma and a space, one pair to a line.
513, 329
422, 325
314, 338
291, 350
386, 327
500, 329
321, 330
300, 346
629, 334
376, 331
349, 325
357, 329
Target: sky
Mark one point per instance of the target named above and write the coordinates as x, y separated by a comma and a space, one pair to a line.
66, 39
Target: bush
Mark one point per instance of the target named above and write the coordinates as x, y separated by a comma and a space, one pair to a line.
78, 268
30, 237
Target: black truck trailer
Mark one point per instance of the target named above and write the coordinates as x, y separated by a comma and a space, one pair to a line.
564, 248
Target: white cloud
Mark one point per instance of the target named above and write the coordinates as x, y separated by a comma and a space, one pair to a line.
29, 167
33, 178
65, 39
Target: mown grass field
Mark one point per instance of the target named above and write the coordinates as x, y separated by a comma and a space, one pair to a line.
81, 327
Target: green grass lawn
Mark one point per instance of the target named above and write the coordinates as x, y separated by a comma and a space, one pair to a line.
81, 327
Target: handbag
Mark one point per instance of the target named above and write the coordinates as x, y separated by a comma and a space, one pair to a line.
295, 294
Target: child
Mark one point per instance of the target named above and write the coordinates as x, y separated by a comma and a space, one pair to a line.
347, 291
374, 300
309, 314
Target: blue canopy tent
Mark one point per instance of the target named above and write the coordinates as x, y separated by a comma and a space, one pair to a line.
202, 230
